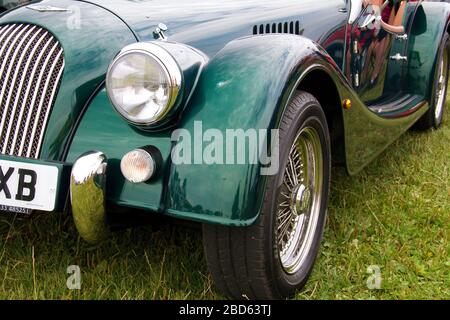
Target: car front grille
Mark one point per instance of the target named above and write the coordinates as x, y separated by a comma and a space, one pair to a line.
31, 67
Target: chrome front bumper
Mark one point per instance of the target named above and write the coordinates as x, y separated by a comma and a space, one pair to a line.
88, 194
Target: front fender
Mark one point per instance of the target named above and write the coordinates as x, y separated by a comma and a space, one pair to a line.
246, 86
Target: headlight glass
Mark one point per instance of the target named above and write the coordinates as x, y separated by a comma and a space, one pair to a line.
140, 87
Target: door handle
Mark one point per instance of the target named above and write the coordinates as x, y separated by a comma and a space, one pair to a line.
401, 37
399, 57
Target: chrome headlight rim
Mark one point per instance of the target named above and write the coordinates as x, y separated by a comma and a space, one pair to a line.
170, 68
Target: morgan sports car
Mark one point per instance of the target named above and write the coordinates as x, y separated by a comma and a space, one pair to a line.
227, 113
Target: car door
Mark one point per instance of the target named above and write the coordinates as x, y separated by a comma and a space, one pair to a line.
379, 54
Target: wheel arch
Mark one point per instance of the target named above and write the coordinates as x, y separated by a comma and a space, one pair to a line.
322, 86
248, 85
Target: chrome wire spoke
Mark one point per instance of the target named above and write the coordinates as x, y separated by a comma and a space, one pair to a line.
298, 198
440, 96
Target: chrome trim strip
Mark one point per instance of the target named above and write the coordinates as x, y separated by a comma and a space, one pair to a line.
47, 81
25, 73
52, 96
4, 31
5, 60
31, 67
9, 59
14, 81
88, 196
32, 104
9, 37
29, 84
13, 37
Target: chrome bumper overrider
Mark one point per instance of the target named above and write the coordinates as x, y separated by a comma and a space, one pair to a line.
87, 195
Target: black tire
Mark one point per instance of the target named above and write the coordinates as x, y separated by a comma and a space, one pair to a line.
245, 263
430, 120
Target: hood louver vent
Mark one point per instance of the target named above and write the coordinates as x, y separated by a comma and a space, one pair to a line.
292, 27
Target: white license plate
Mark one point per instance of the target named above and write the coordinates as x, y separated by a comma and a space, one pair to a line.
27, 185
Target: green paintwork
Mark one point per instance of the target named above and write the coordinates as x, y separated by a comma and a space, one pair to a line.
428, 29
220, 101
394, 69
188, 194
246, 83
210, 25
104, 130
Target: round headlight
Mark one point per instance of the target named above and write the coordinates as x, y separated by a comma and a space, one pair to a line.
143, 83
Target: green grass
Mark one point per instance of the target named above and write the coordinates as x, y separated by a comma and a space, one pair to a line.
395, 214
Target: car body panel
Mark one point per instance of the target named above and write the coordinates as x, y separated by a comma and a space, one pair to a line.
101, 121
246, 83
210, 25
424, 43
232, 194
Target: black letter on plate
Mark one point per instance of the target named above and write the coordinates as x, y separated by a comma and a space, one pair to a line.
31, 186
4, 179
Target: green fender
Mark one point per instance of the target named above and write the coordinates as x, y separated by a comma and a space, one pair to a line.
430, 24
245, 86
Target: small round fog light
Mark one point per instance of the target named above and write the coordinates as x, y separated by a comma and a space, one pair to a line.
138, 166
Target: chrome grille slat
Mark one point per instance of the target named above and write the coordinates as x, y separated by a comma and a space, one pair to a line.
47, 79
34, 92
24, 93
11, 77
31, 67
22, 70
4, 32
52, 96
27, 138
9, 34
31, 91
4, 54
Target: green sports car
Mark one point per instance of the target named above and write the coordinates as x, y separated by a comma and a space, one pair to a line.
228, 113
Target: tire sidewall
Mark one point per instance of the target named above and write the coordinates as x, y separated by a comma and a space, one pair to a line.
309, 115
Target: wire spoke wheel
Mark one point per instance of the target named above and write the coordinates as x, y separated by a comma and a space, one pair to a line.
273, 258
299, 200
441, 87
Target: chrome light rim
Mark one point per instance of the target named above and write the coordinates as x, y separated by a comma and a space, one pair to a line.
442, 83
168, 64
300, 200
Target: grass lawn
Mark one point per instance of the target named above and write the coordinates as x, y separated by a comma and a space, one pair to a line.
395, 215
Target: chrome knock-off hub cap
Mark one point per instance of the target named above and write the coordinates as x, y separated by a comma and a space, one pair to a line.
299, 200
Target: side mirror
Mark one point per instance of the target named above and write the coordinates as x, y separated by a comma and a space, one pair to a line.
373, 19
